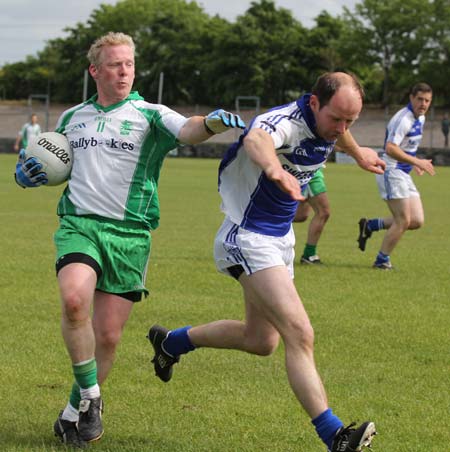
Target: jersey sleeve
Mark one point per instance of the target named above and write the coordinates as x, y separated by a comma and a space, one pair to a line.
276, 125
397, 131
171, 120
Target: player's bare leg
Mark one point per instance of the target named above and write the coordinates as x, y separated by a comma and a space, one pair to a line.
407, 214
111, 313
77, 285
273, 293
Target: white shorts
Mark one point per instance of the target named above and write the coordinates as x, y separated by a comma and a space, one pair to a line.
396, 184
236, 246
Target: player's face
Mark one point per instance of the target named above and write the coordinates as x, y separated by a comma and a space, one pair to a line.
420, 102
335, 118
114, 75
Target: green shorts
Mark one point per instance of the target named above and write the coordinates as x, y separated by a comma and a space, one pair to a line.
116, 250
315, 186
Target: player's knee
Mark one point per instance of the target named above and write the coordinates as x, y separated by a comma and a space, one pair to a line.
107, 339
265, 346
300, 217
75, 308
324, 215
416, 223
303, 333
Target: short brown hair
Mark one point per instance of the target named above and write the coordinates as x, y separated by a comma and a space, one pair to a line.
423, 87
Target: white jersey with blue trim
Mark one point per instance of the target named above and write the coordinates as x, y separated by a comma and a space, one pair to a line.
249, 198
405, 130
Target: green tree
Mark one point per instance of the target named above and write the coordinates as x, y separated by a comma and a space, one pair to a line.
390, 34
435, 65
260, 55
323, 40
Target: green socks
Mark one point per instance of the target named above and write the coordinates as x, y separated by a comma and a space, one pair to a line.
310, 250
85, 373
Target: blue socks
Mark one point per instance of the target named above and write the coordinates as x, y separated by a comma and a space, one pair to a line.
375, 224
327, 424
177, 342
382, 258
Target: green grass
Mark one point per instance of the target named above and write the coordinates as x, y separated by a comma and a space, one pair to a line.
382, 343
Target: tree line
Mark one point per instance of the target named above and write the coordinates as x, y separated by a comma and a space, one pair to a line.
266, 52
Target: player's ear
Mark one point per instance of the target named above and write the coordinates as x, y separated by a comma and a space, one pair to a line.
314, 103
93, 71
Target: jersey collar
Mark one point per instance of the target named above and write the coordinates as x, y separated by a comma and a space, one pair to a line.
134, 95
307, 113
308, 116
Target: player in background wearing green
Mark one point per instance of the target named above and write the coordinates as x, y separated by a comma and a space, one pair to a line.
107, 212
317, 200
28, 131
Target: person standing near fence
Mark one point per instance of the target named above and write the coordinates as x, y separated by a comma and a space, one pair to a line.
28, 131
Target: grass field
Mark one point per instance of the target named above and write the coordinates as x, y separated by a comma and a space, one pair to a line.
382, 338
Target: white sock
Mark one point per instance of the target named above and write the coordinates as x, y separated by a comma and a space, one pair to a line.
90, 393
70, 413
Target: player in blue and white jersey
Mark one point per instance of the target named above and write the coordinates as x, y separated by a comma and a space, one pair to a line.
107, 211
396, 186
260, 181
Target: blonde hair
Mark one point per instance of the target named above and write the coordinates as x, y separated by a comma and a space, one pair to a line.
110, 39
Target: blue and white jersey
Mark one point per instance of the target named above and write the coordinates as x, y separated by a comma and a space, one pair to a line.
249, 198
404, 130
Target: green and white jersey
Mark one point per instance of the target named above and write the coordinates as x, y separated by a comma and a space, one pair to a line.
118, 153
28, 132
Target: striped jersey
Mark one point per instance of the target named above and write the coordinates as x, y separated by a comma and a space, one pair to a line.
404, 130
249, 198
118, 153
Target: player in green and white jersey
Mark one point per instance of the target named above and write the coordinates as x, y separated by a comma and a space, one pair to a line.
107, 211
28, 131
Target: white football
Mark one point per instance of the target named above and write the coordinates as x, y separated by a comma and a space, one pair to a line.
53, 151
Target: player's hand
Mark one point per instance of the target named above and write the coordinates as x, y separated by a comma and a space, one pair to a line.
285, 181
426, 165
220, 121
370, 161
28, 172
419, 171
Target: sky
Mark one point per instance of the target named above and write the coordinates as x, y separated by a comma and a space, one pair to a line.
26, 25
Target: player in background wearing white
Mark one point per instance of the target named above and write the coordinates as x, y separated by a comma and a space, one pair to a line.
316, 196
260, 181
28, 131
106, 214
396, 186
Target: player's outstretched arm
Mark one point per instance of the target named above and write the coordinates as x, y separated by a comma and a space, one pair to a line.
260, 148
421, 165
200, 128
28, 172
369, 160
365, 157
